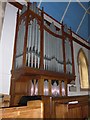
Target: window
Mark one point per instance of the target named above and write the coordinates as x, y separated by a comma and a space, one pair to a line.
83, 69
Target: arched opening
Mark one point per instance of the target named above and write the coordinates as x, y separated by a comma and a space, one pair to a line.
83, 69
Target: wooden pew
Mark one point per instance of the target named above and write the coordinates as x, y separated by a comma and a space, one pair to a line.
34, 109
71, 107
50, 107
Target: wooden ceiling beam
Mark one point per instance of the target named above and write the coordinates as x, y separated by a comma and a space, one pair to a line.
16, 4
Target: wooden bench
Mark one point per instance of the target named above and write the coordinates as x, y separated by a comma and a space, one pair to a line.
34, 109
50, 107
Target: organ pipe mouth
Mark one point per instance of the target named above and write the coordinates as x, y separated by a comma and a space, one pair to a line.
55, 87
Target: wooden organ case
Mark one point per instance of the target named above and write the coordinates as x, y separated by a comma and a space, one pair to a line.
43, 60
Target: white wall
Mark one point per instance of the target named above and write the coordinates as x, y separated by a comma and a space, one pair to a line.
6, 48
77, 47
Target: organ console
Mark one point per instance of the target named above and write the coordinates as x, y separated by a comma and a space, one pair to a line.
43, 61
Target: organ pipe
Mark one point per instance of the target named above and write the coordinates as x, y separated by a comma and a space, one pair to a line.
53, 51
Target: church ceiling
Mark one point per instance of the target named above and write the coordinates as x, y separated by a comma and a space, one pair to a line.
75, 14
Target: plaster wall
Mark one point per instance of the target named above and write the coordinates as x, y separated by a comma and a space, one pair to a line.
6, 48
78, 91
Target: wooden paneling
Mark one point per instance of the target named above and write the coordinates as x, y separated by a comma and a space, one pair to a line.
21, 87
47, 106
32, 110
61, 111
50, 107
62, 108
41, 86
75, 111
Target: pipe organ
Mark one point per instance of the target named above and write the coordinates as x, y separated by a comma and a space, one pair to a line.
53, 54
43, 60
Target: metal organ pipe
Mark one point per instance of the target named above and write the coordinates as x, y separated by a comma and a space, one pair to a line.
33, 44
68, 56
46, 87
38, 46
55, 88
48, 51
28, 44
20, 45
32, 57
53, 54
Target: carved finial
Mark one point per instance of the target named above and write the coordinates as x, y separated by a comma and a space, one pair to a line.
70, 28
28, 5
42, 8
18, 12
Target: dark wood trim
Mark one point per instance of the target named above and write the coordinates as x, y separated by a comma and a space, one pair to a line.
72, 53
15, 41
52, 33
12, 86
63, 45
25, 39
42, 42
16, 4
23, 15
81, 38
52, 18
60, 84
73, 32
38, 72
30, 12
66, 88
35, 15
81, 43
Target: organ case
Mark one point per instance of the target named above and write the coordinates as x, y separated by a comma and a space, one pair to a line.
43, 61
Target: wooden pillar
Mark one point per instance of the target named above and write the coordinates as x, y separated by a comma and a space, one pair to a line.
42, 41
34, 85
25, 38
72, 53
12, 85
41, 86
60, 84
12, 91
50, 87
63, 45
15, 43
65, 87
29, 87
